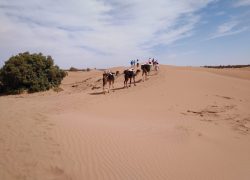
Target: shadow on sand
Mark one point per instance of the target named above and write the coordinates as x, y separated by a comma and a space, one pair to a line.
138, 81
96, 93
115, 89
153, 74
111, 90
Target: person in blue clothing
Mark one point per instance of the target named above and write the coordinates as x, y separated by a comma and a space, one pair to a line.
131, 63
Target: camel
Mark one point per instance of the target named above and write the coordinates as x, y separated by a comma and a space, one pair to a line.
109, 77
130, 74
145, 70
117, 73
157, 67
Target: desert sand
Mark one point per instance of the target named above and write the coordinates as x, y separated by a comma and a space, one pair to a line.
184, 123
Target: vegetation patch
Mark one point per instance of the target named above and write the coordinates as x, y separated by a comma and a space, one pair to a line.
228, 66
29, 72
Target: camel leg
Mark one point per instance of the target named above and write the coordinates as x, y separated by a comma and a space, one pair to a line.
134, 81
113, 85
130, 79
103, 86
103, 90
109, 86
125, 83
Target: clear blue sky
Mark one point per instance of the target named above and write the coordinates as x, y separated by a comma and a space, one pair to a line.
103, 33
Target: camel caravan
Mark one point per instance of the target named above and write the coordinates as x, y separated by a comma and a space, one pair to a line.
129, 74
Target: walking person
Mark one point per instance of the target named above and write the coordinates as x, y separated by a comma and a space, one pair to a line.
137, 63
131, 63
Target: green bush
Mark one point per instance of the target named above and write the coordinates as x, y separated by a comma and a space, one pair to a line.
73, 69
1, 87
31, 72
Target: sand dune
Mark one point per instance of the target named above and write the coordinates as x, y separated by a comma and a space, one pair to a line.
182, 123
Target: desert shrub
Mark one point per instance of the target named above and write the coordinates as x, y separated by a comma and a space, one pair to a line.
1, 87
58, 89
73, 69
31, 72
228, 66
88, 69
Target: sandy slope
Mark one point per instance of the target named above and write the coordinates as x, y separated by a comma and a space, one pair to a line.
182, 123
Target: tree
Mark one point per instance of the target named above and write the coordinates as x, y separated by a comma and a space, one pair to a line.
31, 72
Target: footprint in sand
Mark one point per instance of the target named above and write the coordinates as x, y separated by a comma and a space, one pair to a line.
243, 125
56, 170
224, 97
199, 134
58, 173
24, 150
21, 177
